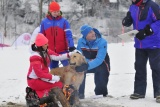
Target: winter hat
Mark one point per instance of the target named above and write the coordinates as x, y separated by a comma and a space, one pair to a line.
85, 29
41, 40
54, 6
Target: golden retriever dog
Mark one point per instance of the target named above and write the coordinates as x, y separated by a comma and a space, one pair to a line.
68, 74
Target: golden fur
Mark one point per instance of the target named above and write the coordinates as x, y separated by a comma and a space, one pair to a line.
68, 74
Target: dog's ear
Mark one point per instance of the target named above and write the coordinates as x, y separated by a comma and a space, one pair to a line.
82, 59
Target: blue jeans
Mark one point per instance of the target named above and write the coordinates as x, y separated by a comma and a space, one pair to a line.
101, 77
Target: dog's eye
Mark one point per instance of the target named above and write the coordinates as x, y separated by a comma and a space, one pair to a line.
74, 56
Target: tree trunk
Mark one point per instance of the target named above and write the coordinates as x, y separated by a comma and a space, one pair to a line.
40, 3
5, 26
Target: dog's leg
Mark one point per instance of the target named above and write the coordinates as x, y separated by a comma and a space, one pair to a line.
74, 99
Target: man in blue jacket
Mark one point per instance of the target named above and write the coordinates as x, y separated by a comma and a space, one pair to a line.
94, 48
145, 17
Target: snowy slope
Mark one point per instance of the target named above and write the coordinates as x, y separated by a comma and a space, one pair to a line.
14, 63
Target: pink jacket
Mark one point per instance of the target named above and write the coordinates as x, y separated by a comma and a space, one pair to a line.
38, 70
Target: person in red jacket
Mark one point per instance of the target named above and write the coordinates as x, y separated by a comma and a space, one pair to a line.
57, 31
38, 76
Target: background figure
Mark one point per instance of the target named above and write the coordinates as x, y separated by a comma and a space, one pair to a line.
57, 30
94, 48
145, 17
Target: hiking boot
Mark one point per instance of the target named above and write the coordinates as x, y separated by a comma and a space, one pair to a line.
158, 99
81, 96
47, 99
136, 96
31, 97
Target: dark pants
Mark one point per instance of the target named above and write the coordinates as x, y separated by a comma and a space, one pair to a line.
141, 58
101, 75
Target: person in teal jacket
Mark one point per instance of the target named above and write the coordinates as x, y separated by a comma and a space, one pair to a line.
94, 48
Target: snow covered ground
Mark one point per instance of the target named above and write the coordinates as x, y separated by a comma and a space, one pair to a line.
14, 63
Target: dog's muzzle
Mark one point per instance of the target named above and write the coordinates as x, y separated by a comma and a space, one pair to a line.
72, 63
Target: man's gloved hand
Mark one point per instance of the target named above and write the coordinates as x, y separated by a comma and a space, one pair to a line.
72, 48
147, 31
82, 67
127, 21
55, 78
141, 34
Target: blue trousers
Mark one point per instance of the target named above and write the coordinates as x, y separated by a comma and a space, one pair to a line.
55, 64
101, 77
141, 58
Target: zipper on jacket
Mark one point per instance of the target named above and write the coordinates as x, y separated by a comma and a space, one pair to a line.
54, 36
89, 48
138, 17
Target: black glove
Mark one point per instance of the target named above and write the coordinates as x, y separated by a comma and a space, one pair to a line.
82, 67
141, 34
72, 49
127, 21
147, 31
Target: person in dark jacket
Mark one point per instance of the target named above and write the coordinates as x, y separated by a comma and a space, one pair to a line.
144, 15
94, 48
58, 32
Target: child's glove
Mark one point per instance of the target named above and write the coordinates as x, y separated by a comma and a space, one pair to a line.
72, 48
55, 78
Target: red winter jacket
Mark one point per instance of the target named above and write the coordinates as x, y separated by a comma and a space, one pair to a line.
58, 32
38, 72
37, 68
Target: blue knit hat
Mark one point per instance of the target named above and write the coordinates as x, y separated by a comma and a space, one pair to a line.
85, 29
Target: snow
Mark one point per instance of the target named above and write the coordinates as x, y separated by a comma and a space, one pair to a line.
113, 1
14, 63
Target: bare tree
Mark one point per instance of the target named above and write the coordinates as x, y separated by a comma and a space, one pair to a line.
40, 2
4, 13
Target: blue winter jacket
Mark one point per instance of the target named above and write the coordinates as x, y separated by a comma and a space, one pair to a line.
95, 52
147, 13
58, 32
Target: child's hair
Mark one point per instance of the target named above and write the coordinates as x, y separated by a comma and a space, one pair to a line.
49, 13
41, 52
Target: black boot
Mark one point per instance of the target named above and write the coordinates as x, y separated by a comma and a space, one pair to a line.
44, 100
32, 99
136, 96
54, 99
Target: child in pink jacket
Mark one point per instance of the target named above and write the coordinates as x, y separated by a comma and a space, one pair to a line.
38, 76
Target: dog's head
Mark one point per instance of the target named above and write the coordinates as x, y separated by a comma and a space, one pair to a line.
76, 59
